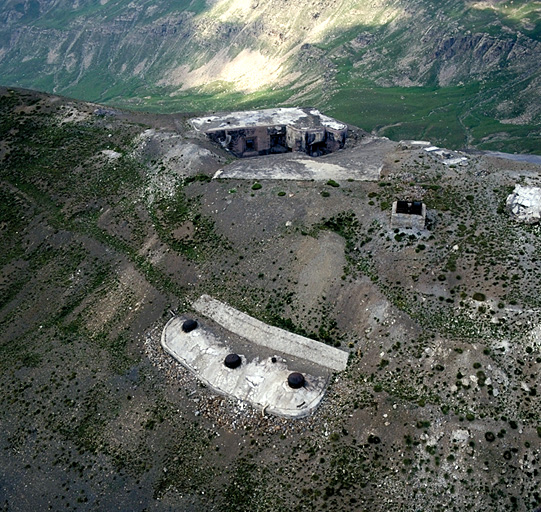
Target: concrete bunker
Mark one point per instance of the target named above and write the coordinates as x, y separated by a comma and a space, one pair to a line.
284, 374
271, 131
446, 156
408, 215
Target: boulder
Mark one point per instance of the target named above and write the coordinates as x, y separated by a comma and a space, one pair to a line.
525, 204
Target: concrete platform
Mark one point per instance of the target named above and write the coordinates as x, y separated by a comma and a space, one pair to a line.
259, 381
363, 162
271, 337
298, 167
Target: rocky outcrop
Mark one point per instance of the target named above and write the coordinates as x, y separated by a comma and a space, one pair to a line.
525, 204
475, 54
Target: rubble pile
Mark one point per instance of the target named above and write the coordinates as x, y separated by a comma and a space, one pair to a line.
525, 204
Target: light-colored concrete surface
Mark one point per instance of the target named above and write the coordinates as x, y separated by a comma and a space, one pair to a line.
296, 167
257, 381
271, 337
291, 167
297, 117
363, 162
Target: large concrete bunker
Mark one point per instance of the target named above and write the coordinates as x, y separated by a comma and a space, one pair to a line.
270, 382
277, 130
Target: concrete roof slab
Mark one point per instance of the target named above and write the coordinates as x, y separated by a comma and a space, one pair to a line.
296, 117
261, 382
271, 337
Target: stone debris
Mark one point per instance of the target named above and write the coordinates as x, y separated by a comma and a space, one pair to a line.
525, 204
113, 155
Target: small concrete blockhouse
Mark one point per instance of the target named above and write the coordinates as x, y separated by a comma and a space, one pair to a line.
277, 130
408, 215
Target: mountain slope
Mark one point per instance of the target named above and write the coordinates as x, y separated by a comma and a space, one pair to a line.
109, 220
219, 54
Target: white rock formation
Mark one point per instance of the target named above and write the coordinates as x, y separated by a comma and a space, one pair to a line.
525, 204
